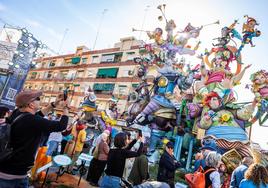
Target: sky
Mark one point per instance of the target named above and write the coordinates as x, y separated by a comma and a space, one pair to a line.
80, 20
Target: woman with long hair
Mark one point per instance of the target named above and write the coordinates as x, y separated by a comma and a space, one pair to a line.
116, 160
256, 176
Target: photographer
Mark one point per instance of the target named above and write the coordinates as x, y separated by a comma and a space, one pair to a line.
25, 136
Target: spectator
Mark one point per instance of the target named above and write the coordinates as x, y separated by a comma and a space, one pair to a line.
129, 162
239, 173
212, 176
4, 112
200, 158
54, 141
255, 177
79, 138
25, 136
66, 137
167, 166
116, 160
98, 164
139, 172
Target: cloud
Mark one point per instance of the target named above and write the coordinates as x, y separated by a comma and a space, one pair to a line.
77, 14
2, 7
33, 23
39, 25
54, 33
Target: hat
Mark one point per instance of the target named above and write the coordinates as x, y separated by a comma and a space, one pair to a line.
27, 96
209, 144
170, 145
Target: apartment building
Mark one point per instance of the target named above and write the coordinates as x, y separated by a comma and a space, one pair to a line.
108, 72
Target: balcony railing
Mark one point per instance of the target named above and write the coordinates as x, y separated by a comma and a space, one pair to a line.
91, 65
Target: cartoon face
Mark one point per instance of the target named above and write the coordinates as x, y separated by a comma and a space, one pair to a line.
252, 23
260, 79
214, 103
158, 31
224, 31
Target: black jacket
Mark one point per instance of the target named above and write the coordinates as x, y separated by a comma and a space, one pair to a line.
117, 158
167, 167
25, 136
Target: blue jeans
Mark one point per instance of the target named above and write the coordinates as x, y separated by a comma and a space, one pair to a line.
52, 147
16, 183
110, 182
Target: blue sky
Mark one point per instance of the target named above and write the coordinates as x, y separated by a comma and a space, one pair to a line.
47, 20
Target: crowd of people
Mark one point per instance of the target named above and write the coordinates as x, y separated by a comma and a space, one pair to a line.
117, 162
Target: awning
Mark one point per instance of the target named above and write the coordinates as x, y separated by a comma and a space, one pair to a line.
75, 60
103, 87
135, 85
107, 73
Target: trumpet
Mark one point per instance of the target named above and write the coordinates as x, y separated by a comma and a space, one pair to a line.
133, 29
217, 22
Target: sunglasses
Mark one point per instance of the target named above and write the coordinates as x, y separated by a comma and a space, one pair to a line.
36, 99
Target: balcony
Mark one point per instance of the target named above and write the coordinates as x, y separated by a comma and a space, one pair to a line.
83, 66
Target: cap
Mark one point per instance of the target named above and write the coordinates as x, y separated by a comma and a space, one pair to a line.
170, 145
26, 97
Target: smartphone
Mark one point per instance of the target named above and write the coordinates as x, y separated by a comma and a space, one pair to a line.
65, 94
140, 133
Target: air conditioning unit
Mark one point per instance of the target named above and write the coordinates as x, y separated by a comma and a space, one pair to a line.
130, 72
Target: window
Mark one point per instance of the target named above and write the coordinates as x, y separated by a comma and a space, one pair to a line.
60, 88
53, 98
130, 55
80, 74
107, 73
108, 58
64, 74
52, 64
90, 73
122, 90
95, 59
50, 74
112, 58
118, 57
75, 60
103, 88
84, 60
33, 75
135, 85
46, 99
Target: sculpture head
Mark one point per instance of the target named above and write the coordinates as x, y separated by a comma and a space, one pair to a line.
212, 100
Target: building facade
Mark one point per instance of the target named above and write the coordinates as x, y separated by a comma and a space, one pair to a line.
108, 72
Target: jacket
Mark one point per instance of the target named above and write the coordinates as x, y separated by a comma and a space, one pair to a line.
139, 171
167, 167
103, 151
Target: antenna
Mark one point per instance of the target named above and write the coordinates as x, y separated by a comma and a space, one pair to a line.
64, 35
98, 31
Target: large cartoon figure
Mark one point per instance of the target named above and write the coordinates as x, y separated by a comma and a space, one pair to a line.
226, 124
249, 32
260, 90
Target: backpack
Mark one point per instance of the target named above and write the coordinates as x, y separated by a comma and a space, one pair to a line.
7, 151
198, 178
